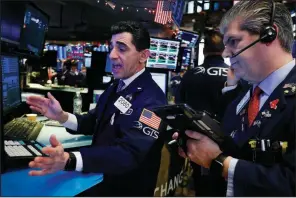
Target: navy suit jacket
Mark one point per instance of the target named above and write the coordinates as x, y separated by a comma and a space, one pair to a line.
127, 153
261, 179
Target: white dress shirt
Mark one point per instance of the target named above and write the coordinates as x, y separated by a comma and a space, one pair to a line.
267, 86
72, 122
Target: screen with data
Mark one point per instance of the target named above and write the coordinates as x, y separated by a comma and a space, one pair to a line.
161, 80
186, 57
163, 53
189, 39
34, 30
11, 93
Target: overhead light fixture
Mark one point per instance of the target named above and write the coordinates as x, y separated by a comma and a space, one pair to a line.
111, 4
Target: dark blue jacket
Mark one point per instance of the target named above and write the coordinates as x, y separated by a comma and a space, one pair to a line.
262, 178
127, 154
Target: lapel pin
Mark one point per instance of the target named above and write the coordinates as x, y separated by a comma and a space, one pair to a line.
266, 114
253, 143
232, 134
129, 97
257, 122
273, 104
286, 91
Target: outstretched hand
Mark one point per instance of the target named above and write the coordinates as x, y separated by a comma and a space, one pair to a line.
49, 107
55, 161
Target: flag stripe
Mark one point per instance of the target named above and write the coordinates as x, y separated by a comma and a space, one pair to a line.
163, 13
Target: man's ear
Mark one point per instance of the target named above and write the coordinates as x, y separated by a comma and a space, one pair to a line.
144, 55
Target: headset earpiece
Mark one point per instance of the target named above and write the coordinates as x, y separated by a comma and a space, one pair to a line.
268, 34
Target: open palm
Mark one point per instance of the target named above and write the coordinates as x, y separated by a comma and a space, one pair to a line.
49, 107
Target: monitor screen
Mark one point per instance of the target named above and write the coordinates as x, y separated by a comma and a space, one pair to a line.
186, 57
201, 55
177, 11
161, 80
108, 67
189, 39
34, 30
12, 14
163, 53
11, 93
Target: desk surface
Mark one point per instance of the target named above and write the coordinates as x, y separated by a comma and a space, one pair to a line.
67, 139
56, 88
62, 183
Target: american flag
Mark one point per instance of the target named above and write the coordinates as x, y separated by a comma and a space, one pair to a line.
150, 119
163, 13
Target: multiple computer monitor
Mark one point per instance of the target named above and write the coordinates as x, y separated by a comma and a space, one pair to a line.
25, 26
163, 53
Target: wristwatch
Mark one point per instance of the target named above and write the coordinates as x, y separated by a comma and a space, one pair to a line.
71, 163
217, 164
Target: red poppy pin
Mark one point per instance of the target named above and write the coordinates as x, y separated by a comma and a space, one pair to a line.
273, 104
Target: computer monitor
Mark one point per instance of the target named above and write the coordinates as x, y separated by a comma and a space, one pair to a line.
186, 57
201, 55
108, 67
163, 53
189, 39
11, 92
12, 14
177, 8
161, 80
34, 30
87, 49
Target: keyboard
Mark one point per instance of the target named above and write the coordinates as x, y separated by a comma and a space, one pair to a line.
22, 128
18, 153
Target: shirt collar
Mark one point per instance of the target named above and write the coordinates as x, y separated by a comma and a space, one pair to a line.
275, 78
132, 78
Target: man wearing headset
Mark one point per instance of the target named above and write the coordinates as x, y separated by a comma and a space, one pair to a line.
261, 121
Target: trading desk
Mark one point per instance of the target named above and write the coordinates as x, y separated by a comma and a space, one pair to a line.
62, 183
68, 140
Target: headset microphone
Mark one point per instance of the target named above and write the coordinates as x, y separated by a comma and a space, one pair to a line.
245, 48
267, 35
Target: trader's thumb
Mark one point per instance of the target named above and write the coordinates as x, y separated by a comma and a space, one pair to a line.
52, 99
54, 141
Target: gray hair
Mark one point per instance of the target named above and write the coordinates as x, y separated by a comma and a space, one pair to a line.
256, 14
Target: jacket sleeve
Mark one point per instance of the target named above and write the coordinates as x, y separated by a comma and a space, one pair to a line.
277, 180
86, 123
128, 150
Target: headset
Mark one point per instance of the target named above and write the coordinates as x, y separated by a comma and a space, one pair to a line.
267, 35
